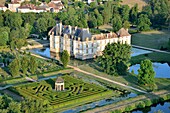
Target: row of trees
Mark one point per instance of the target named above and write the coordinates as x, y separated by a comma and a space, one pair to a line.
155, 14
23, 64
7, 105
15, 28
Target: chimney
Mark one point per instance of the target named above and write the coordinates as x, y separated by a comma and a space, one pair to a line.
60, 25
70, 29
88, 30
75, 28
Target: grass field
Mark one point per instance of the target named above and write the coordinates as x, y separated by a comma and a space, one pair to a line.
128, 79
151, 39
76, 92
154, 57
131, 3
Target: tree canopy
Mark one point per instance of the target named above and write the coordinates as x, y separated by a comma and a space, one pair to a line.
65, 58
146, 73
115, 58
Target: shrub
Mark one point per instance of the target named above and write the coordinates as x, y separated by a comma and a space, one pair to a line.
148, 102
117, 111
140, 105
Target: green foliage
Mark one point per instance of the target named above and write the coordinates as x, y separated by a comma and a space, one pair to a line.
115, 58
116, 23
76, 92
4, 38
7, 105
25, 64
134, 14
65, 58
126, 25
125, 13
33, 65
143, 22
146, 73
14, 67
13, 20
41, 25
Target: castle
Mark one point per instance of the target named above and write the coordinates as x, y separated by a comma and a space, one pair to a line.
80, 43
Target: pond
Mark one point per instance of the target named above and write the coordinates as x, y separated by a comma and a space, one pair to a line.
46, 51
164, 107
162, 70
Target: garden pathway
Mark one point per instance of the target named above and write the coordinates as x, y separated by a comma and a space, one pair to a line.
106, 79
97, 76
150, 49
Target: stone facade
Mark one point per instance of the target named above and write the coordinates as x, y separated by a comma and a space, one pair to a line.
80, 43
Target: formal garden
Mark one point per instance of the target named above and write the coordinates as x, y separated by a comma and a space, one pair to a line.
16, 64
76, 92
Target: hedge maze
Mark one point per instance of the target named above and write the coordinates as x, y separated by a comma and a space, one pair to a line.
76, 91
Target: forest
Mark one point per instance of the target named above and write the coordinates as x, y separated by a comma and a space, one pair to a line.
15, 28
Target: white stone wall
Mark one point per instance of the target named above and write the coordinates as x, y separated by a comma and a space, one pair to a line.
85, 49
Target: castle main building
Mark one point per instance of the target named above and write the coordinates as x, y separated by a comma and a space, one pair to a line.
80, 43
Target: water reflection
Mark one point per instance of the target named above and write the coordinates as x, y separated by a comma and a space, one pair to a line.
136, 52
164, 107
162, 70
99, 103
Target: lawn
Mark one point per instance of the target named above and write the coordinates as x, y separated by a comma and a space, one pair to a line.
154, 57
151, 39
131, 3
76, 92
128, 79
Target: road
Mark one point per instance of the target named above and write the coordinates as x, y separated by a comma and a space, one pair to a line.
150, 49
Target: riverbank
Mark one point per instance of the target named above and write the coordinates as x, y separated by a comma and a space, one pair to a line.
138, 102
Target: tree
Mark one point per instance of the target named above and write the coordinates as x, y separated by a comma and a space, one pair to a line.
134, 14
126, 25
1, 20
125, 13
14, 107
14, 67
13, 20
146, 73
4, 38
65, 58
115, 58
41, 25
143, 22
116, 23
25, 64
34, 106
33, 65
